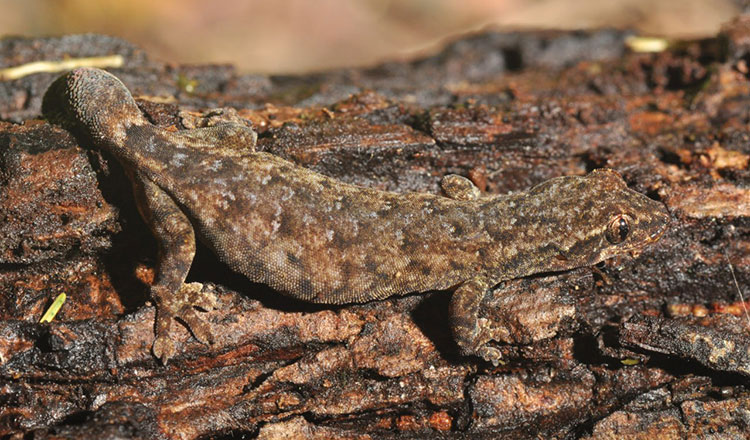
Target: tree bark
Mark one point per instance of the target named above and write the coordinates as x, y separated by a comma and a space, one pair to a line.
656, 346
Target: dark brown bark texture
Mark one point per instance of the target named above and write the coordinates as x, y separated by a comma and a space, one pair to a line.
656, 346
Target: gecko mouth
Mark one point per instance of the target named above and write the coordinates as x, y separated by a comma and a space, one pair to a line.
657, 235
637, 248
635, 253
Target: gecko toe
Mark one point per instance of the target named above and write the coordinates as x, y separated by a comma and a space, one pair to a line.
163, 348
198, 327
194, 295
190, 292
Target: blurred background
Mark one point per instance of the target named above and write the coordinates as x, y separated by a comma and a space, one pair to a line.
293, 36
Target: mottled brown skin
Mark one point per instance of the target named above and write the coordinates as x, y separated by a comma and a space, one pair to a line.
321, 240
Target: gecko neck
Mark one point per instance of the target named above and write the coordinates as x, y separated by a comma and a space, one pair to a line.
525, 237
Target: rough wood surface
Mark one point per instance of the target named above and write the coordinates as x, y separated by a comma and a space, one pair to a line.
652, 347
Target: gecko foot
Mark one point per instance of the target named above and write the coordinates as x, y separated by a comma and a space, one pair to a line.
181, 306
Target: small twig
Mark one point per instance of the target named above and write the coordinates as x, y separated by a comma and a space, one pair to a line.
737, 286
16, 72
646, 44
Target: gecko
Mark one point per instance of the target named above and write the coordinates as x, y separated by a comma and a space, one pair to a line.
318, 239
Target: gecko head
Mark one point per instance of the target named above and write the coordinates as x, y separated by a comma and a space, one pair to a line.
597, 217
91, 102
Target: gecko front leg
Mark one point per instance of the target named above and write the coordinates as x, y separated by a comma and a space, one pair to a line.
468, 328
176, 241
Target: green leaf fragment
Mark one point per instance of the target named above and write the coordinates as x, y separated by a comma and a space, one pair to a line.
51, 312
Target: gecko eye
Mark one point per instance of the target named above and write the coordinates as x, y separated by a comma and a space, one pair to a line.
618, 229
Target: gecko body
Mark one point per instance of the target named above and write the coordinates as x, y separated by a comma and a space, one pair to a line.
318, 239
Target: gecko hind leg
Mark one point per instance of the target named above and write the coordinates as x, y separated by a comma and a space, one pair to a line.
174, 299
468, 328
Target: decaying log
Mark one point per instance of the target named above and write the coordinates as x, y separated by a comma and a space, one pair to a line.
652, 347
